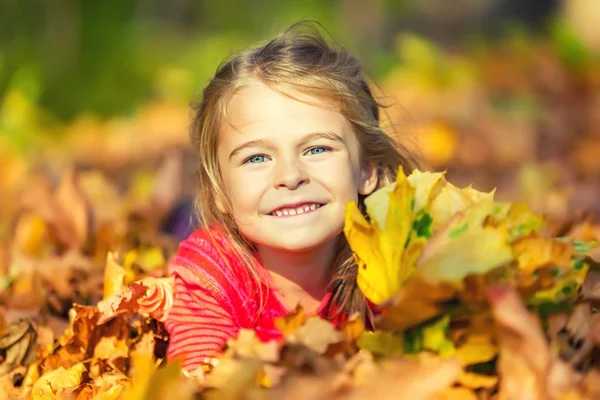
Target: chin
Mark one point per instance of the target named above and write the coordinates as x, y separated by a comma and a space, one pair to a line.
299, 244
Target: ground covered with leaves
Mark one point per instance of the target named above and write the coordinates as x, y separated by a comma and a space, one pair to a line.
478, 298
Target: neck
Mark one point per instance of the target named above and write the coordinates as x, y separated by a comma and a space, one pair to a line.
308, 272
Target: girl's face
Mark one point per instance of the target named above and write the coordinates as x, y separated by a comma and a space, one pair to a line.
289, 168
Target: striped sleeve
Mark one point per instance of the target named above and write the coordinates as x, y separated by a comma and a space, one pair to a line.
198, 323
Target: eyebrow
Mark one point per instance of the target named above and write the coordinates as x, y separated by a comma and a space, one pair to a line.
264, 143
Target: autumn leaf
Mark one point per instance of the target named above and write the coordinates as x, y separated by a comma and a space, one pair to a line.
317, 334
53, 382
417, 301
525, 364
449, 256
114, 277
382, 343
73, 215
17, 345
247, 345
150, 296
476, 349
533, 252
385, 249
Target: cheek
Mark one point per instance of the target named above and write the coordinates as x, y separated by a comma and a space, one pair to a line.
244, 194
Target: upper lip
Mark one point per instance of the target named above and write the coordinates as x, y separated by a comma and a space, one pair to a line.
295, 205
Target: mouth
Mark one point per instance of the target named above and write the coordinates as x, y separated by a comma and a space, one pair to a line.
296, 209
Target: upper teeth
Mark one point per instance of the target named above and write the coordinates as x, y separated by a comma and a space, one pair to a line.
296, 211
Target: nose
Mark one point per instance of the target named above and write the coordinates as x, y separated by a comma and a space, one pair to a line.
290, 174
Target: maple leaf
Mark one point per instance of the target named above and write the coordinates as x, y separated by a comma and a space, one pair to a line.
385, 249
449, 256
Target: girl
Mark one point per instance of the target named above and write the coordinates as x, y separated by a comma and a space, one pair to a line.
288, 133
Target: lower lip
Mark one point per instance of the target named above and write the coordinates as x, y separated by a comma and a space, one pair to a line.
297, 215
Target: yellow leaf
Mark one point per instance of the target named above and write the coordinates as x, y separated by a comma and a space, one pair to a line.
452, 200
477, 349
114, 276
450, 255
288, 324
518, 220
30, 235
476, 381
353, 328
150, 259
384, 257
427, 186
52, 382
143, 364
434, 338
533, 252
457, 393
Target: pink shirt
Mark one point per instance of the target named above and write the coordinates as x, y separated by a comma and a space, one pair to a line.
213, 300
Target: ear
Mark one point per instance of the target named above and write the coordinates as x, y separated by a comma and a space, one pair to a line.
368, 180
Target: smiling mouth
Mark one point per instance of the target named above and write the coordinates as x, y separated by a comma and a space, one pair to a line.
293, 211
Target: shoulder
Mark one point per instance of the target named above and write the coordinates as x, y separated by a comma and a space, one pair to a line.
207, 259
205, 247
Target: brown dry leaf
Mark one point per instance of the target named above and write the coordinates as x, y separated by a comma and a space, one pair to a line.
73, 219
72, 348
590, 290
121, 302
525, 362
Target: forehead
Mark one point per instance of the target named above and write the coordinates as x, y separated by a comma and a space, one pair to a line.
257, 109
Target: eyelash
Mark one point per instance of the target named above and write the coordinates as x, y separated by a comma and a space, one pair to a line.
325, 149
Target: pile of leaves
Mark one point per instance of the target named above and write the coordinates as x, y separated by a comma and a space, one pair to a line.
474, 299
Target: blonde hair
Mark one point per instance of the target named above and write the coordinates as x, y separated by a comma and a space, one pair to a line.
298, 59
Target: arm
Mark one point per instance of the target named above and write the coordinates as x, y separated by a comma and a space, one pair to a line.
198, 323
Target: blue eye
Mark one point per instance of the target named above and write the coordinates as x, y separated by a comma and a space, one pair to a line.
256, 159
317, 150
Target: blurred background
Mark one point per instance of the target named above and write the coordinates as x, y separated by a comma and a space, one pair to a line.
500, 93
